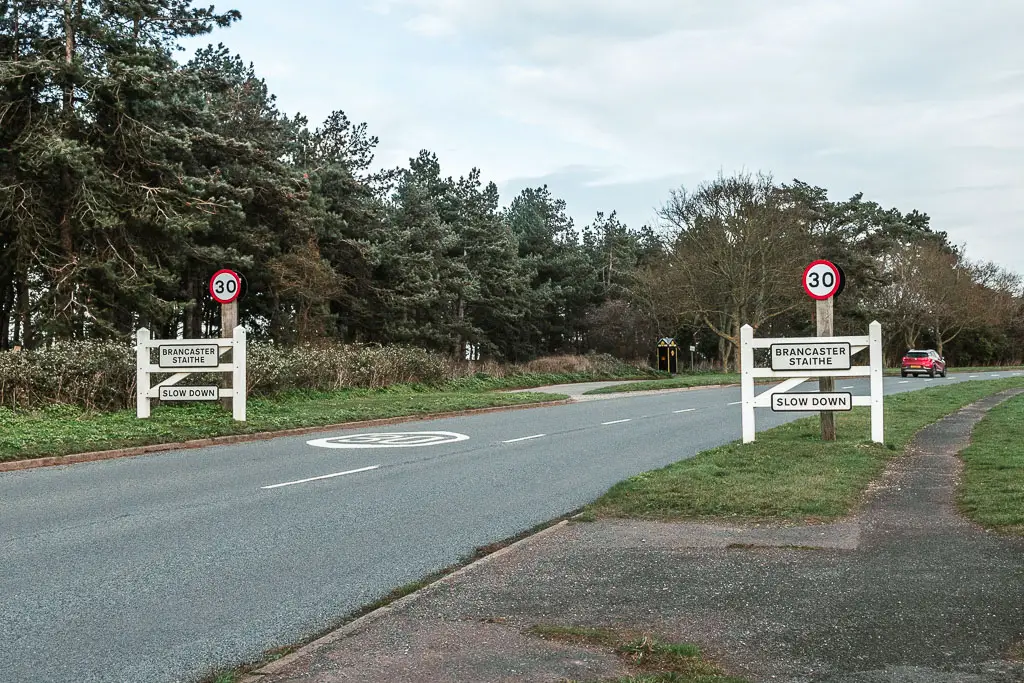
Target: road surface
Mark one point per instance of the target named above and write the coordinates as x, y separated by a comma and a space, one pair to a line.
170, 566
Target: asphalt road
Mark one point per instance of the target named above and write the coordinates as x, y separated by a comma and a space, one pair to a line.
167, 567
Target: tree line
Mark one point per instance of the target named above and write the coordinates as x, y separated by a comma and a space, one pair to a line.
127, 178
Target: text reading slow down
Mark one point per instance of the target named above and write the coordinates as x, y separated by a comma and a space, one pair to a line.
812, 401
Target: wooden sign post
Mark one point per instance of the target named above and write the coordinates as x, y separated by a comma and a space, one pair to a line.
821, 282
225, 288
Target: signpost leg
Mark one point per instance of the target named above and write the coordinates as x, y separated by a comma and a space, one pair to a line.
826, 384
228, 322
877, 409
238, 375
142, 373
747, 381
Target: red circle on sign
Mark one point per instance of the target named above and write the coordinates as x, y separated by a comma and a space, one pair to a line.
816, 290
225, 286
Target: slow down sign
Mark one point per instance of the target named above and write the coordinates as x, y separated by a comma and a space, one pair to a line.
811, 402
176, 393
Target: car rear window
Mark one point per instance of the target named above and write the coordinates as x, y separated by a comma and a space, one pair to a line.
917, 354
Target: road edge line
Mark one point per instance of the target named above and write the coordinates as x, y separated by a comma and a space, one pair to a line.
372, 617
94, 456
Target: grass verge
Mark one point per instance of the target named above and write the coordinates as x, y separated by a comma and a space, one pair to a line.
484, 382
971, 369
64, 430
789, 473
678, 382
992, 492
708, 378
654, 659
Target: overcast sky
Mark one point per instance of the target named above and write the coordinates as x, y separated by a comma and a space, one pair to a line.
917, 103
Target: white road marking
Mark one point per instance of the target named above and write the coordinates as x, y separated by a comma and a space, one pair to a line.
389, 440
525, 438
850, 387
973, 376
906, 381
326, 476
734, 403
928, 380
687, 410
615, 422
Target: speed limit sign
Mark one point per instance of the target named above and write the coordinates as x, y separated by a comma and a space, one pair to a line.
821, 280
225, 286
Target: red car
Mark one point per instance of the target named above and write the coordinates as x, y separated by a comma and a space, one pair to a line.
923, 361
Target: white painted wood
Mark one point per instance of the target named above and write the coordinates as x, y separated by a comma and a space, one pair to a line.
747, 382
855, 371
142, 405
764, 399
877, 386
238, 392
765, 342
236, 370
223, 367
750, 401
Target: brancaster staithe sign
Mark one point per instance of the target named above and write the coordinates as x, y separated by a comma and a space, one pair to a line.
813, 356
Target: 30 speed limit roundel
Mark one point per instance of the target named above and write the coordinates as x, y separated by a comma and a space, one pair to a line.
821, 280
225, 286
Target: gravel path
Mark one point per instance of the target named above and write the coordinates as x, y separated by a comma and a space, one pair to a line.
905, 591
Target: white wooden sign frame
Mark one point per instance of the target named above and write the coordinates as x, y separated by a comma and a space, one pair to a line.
794, 378
145, 367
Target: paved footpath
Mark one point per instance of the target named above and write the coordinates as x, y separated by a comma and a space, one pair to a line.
906, 590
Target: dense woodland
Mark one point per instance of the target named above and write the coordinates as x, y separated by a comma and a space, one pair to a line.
128, 176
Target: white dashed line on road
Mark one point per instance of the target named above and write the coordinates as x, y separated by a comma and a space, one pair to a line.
687, 410
326, 476
525, 438
734, 403
615, 422
846, 387
906, 381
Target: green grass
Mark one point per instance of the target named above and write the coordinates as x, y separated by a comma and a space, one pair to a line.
677, 382
63, 430
788, 472
655, 660
483, 382
708, 378
967, 370
992, 492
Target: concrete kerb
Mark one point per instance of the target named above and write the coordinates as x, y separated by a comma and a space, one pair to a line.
367, 619
93, 456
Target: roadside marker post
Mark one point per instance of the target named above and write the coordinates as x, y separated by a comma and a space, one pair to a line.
822, 281
225, 288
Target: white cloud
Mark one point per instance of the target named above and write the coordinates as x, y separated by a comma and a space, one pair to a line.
917, 103
430, 25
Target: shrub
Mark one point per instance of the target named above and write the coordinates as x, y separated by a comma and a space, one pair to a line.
94, 375
101, 375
